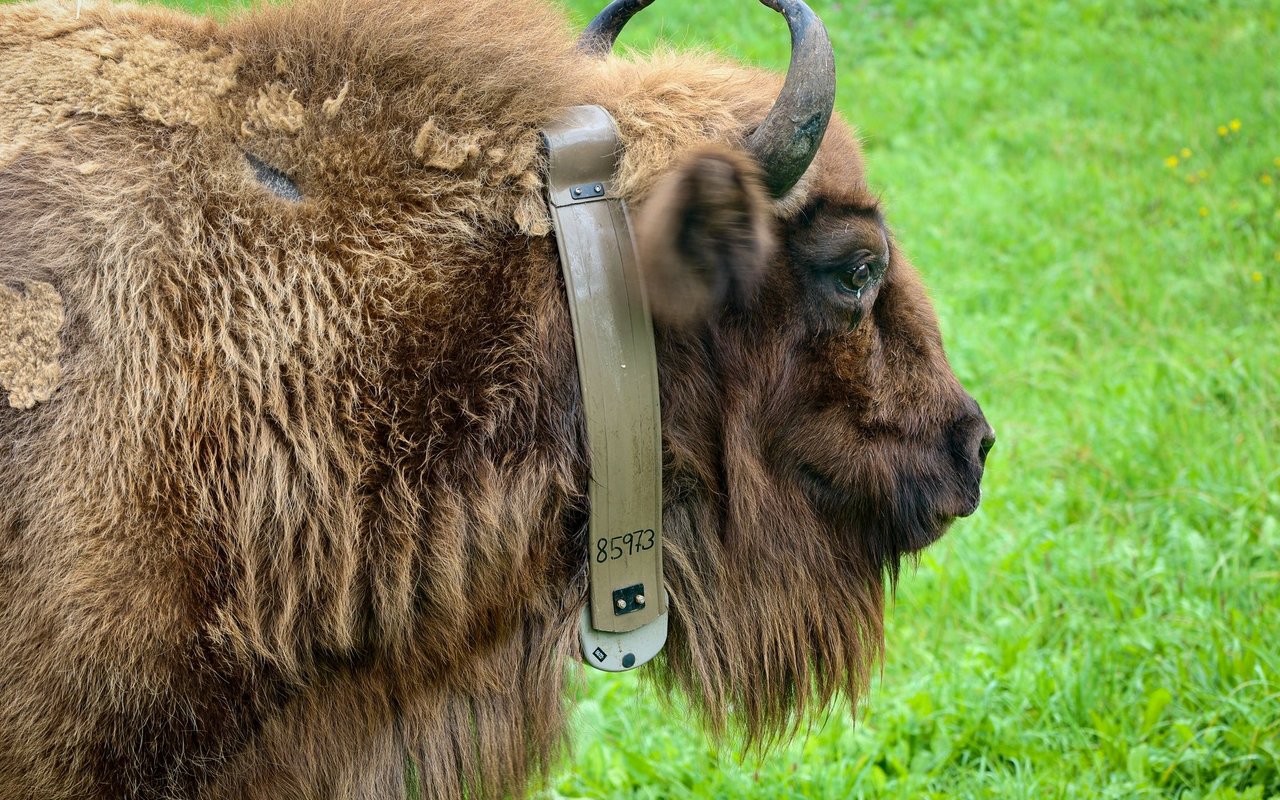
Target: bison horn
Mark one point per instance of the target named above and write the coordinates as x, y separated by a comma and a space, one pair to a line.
788, 139
603, 31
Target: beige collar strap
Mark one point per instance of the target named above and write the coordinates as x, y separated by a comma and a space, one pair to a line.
625, 621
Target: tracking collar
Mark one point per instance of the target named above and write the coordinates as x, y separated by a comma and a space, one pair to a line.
624, 623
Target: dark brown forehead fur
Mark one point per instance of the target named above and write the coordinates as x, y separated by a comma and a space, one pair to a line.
840, 208
838, 176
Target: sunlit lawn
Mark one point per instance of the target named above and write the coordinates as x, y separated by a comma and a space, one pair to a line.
1092, 191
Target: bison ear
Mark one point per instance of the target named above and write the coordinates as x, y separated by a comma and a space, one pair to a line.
704, 237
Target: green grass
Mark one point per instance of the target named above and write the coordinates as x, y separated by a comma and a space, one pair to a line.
1108, 625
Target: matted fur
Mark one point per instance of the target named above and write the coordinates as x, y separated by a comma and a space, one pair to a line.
30, 324
304, 517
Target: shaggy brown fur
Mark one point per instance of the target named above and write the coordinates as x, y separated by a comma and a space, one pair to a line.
30, 322
305, 515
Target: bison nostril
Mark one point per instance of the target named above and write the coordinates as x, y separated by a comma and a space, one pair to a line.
984, 447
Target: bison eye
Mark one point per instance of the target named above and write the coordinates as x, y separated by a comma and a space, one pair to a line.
856, 278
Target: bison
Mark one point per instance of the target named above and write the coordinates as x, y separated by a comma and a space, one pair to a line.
293, 470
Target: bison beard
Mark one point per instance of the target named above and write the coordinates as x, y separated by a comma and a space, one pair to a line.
304, 515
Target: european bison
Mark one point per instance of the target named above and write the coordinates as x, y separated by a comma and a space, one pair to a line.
292, 471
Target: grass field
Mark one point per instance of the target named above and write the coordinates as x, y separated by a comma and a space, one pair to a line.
1092, 191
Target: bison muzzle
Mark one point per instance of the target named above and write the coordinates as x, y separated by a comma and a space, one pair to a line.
293, 471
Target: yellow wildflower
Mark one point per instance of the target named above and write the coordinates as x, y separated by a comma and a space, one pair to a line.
1171, 162
1257, 277
1204, 212
1235, 124
1204, 174
1186, 152
1266, 180
1222, 130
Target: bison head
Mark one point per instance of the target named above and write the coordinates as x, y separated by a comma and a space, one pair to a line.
815, 433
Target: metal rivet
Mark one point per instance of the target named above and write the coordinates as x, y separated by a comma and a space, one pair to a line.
599, 187
577, 193
621, 604
639, 599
